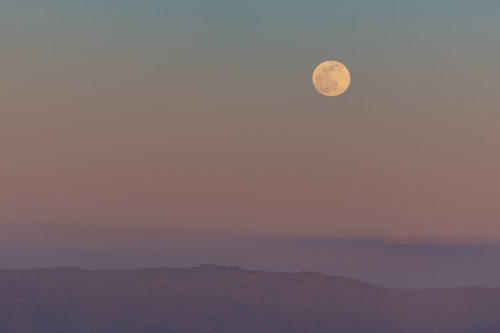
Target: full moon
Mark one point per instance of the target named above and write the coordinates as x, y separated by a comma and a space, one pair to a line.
331, 78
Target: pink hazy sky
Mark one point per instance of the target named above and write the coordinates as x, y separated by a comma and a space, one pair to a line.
140, 117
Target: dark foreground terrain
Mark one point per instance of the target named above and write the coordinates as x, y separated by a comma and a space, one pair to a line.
219, 299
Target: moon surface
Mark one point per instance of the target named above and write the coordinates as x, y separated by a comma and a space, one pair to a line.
331, 78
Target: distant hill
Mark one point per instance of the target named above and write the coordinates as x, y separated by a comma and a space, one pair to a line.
231, 300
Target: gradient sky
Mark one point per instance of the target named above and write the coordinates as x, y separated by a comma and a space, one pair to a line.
200, 116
